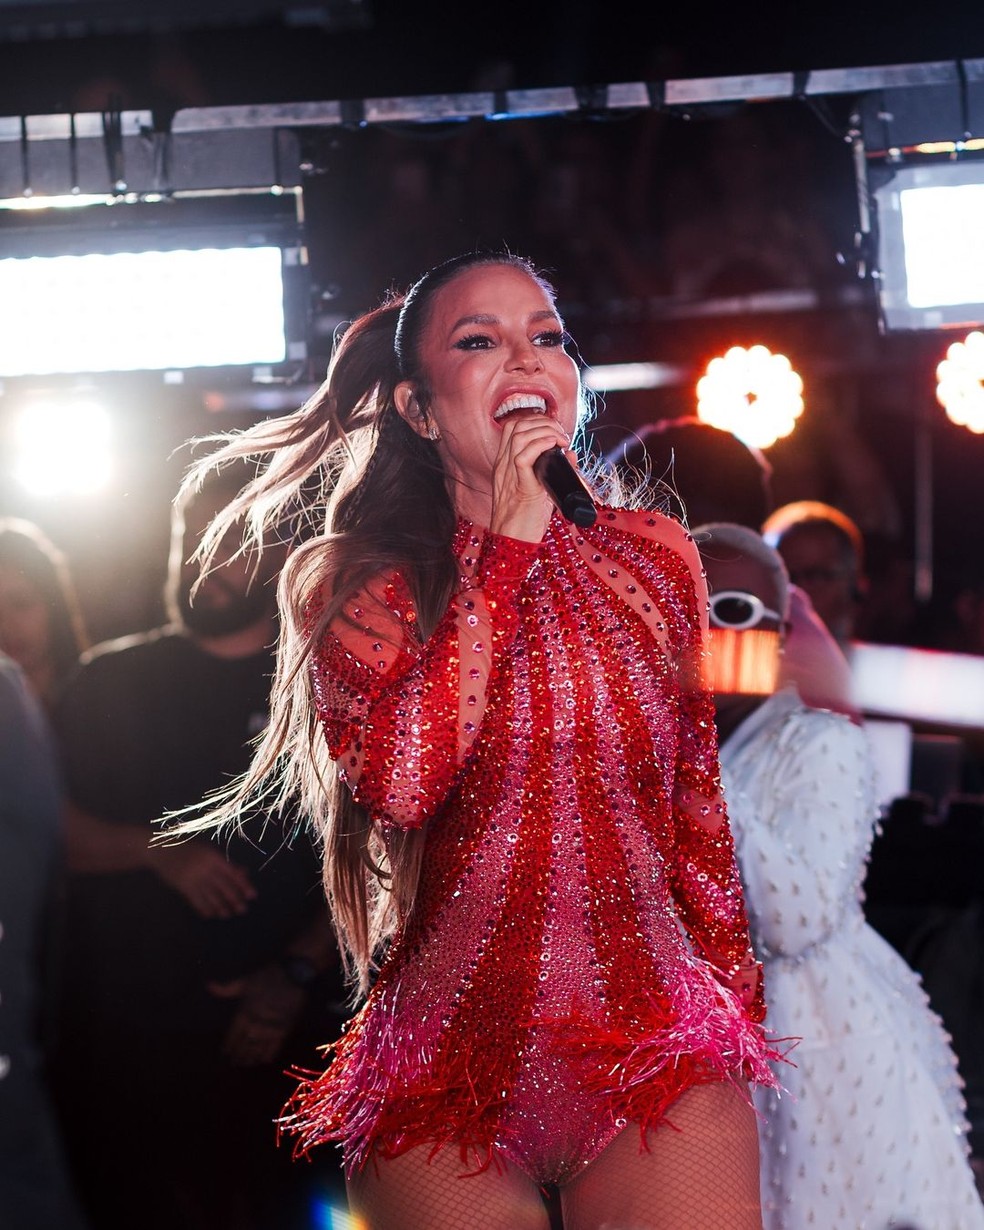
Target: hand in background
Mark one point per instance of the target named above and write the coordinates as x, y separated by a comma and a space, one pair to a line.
269, 1005
212, 886
198, 870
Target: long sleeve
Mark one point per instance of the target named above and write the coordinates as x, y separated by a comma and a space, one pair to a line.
803, 837
705, 879
706, 882
401, 716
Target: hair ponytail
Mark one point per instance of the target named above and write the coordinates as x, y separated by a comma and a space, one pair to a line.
357, 492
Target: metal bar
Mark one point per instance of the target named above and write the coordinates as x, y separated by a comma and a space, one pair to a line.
884, 77
229, 146
274, 115
516, 104
923, 505
728, 89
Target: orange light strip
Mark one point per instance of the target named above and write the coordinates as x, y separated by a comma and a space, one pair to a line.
745, 663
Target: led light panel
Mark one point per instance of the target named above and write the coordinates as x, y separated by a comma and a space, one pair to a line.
931, 246
141, 311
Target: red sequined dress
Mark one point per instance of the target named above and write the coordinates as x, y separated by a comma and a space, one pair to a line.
578, 953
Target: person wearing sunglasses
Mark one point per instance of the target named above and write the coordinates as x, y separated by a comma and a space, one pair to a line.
708, 474
870, 1128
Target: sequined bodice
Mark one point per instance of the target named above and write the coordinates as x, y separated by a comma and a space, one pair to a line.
579, 881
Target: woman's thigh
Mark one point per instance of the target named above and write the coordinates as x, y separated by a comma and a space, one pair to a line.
700, 1170
416, 1191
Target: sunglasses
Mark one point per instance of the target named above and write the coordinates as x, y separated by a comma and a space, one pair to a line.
738, 611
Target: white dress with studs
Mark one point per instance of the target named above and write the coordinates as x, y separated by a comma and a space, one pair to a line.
870, 1131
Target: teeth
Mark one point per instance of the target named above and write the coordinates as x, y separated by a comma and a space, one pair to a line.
521, 401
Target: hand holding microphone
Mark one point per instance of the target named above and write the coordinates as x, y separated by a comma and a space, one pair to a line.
532, 463
565, 486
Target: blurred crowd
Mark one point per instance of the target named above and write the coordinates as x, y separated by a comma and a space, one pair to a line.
155, 996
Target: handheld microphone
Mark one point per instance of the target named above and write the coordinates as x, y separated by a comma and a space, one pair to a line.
565, 486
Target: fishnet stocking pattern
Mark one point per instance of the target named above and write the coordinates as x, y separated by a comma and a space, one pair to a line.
702, 1176
701, 1173
412, 1193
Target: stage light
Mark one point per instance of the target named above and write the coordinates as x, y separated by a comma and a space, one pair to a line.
960, 382
141, 311
975, 145
72, 200
62, 447
619, 377
930, 244
753, 393
918, 685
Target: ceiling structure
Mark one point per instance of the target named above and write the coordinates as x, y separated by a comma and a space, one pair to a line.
307, 50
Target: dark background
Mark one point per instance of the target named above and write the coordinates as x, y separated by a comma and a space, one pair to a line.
274, 52
666, 231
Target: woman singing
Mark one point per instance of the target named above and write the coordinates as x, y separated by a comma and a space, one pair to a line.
493, 717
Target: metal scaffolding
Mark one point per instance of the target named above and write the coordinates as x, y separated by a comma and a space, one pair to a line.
230, 148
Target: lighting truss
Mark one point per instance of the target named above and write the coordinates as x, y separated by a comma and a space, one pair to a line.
239, 147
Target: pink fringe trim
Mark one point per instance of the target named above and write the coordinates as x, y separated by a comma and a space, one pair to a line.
381, 1093
648, 1053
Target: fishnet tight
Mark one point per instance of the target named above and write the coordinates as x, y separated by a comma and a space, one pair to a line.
703, 1176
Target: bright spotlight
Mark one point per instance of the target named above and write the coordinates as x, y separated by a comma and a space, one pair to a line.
930, 253
960, 382
141, 311
753, 393
63, 448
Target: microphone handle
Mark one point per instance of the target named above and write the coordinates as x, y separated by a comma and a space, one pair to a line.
565, 486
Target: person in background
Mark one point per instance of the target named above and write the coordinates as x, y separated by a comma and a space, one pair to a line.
35, 1189
565, 994
823, 551
41, 622
195, 974
870, 1129
704, 471
960, 620
712, 475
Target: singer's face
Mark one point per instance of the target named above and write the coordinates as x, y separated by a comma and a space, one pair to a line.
493, 345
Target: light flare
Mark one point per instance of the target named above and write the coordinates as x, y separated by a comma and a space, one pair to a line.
753, 393
960, 382
63, 447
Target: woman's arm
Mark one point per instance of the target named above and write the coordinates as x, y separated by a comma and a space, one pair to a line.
400, 716
704, 876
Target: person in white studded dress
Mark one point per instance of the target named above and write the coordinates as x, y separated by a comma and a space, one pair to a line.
869, 1131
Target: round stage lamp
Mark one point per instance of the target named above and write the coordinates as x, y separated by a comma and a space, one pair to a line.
753, 393
960, 382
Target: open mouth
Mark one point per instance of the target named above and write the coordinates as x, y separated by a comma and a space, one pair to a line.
521, 403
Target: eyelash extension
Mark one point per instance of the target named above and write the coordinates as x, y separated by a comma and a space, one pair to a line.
552, 337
